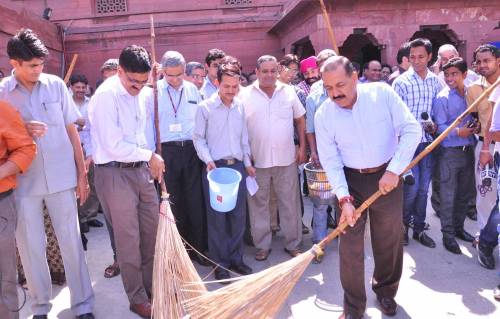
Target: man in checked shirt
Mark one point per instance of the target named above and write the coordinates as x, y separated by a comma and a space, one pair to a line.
418, 87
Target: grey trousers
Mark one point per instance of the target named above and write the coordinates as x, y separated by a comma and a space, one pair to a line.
8, 285
31, 241
130, 202
456, 175
226, 230
286, 185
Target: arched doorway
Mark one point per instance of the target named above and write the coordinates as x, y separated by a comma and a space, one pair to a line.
303, 48
361, 47
439, 35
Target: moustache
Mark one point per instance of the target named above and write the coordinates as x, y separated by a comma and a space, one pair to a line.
338, 97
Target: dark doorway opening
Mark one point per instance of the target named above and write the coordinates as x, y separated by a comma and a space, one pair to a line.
361, 47
303, 48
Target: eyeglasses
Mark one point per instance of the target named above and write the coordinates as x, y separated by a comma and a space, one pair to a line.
174, 75
197, 76
134, 81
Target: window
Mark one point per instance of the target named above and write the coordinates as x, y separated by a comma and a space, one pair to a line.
237, 3
110, 6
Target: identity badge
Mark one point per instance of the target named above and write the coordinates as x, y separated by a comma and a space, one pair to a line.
177, 127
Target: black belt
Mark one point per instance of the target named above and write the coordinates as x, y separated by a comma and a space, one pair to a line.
178, 143
6, 193
461, 148
122, 164
368, 170
229, 161
482, 140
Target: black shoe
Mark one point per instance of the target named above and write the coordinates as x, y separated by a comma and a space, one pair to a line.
485, 256
424, 239
86, 316
202, 261
388, 306
40, 317
406, 239
451, 245
465, 236
221, 274
472, 215
84, 227
95, 223
496, 293
241, 269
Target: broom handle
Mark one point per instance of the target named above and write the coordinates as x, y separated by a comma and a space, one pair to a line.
70, 69
329, 26
163, 186
367, 203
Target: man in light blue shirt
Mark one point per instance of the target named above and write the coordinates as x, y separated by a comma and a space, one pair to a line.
177, 105
212, 61
456, 162
366, 138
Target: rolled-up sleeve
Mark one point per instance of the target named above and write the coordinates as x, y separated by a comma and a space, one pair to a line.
69, 108
245, 144
298, 108
329, 155
21, 148
310, 110
408, 130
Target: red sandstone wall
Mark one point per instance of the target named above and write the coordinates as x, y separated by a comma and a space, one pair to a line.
13, 17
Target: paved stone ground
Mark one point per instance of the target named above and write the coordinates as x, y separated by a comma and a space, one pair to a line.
435, 283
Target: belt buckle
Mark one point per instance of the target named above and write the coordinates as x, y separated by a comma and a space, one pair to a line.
362, 170
230, 161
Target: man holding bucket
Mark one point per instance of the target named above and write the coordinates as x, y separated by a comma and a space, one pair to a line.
366, 137
221, 141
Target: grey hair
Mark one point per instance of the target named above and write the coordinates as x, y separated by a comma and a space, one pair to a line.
324, 55
191, 66
447, 47
265, 58
172, 59
333, 62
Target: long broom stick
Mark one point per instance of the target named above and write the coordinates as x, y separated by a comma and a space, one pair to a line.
262, 294
172, 266
329, 26
71, 67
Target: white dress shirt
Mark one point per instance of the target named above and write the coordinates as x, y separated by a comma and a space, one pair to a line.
367, 135
118, 122
270, 123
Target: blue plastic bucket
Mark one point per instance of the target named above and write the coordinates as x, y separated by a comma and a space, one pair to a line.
223, 184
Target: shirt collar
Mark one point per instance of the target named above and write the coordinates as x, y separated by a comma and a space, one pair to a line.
121, 88
208, 82
218, 102
13, 83
169, 87
279, 86
411, 71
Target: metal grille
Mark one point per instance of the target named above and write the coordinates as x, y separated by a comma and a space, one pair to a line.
236, 3
110, 6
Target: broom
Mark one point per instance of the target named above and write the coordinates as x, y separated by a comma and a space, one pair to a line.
261, 295
172, 267
71, 67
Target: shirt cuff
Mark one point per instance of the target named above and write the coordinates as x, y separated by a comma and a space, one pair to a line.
247, 161
342, 191
23, 159
395, 167
144, 154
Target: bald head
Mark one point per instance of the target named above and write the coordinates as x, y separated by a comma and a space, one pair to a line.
447, 52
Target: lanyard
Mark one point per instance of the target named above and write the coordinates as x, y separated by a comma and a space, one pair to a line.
176, 108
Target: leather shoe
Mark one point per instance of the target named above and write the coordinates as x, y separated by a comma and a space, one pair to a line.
293, 252
405, 236
496, 293
463, 235
241, 269
221, 274
451, 245
40, 317
201, 260
485, 256
95, 223
472, 214
262, 254
305, 230
88, 315
387, 305
424, 239
142, 309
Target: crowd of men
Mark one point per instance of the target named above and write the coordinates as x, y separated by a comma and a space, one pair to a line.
80, 154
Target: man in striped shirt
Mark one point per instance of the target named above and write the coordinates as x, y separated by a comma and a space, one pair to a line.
418, 87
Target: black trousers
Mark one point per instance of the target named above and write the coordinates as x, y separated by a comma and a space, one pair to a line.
183, 178
226, 230
386, 227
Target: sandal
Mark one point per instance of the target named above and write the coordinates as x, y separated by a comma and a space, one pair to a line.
262, 254
293, 252
112, 270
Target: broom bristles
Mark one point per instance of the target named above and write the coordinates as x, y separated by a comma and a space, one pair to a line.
172, 270
260, 295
